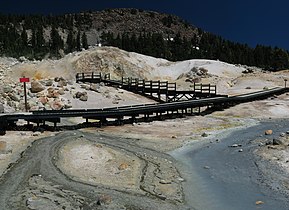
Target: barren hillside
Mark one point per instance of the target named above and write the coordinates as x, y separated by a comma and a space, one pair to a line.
53, 93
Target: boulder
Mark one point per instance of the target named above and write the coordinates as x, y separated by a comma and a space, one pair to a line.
277, 142
36, 87
280, 141
204, 135
62, 82
188, 80
268, 132
43, 100
123, 166
56, 105
50, 89
78, 94
49, 82
95, 87
85, 86
56, 79
67, 106
104, 200
83, 97
52, 93
61, 91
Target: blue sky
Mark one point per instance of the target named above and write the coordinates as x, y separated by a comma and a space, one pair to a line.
246, 21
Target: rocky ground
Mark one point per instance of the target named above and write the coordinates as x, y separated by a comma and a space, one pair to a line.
122, 164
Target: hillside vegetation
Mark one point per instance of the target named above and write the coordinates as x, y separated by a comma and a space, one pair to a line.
150, 33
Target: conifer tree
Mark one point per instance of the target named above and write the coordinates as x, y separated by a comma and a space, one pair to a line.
84, 41
56, 41
40, 38
24, 38
70, 42
78, 41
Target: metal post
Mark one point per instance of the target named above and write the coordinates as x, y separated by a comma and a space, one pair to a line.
25, 97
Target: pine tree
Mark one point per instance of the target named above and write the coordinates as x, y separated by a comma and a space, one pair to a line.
280, 59
56, 41
84, 41
78, 41
70, 42
24, 38
40, 38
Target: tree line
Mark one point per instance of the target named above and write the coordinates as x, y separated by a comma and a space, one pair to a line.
39, 36
36, 37
202, 46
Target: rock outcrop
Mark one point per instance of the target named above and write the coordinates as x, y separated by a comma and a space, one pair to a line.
36, 87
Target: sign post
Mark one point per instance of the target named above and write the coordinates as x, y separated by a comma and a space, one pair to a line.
24, 80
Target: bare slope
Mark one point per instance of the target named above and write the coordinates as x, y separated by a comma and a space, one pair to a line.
228, 77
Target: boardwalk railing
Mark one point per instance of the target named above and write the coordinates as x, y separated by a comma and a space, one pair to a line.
162, 91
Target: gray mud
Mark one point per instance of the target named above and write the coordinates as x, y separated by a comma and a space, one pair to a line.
34, 182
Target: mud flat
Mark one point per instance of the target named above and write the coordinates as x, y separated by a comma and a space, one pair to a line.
224, 171
96, 172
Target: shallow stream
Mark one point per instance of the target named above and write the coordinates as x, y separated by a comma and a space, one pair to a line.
221, 177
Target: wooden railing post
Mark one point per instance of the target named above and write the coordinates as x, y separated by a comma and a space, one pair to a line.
151, 84
76, 77
143, 85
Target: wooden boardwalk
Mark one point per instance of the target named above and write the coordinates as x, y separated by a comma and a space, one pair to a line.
127, 114
161, 91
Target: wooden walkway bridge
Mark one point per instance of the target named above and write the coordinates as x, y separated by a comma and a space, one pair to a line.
161, 91
126, 114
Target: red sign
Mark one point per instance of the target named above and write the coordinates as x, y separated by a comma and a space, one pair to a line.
23, 79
